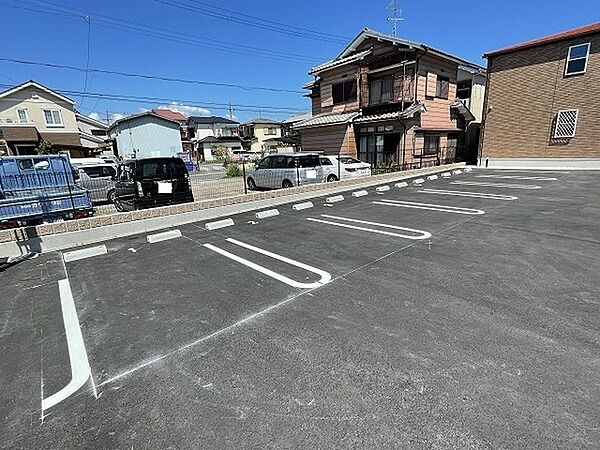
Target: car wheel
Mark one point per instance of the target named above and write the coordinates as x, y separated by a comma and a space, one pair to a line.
251, 184
332, 178
287, 184
119, 206
111, 197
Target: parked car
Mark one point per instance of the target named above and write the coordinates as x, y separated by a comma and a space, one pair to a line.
98, 177
242, 155
343, 167
149, 182
285, 171
36, 189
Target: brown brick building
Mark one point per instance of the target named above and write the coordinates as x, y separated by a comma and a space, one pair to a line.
541, 105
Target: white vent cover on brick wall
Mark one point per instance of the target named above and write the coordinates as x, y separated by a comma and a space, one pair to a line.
566, 123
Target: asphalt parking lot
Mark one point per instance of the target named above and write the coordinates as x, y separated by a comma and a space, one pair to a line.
463, 313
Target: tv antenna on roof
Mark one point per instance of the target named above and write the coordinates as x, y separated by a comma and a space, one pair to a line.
395, 15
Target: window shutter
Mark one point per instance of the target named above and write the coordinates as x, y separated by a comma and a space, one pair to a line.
431, 84
566, 123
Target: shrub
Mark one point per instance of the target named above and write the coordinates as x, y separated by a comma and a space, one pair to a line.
234, 170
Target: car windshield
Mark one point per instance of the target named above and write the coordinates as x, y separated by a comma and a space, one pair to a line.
160, 168
348, 160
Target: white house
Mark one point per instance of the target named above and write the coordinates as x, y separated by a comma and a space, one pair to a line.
145, 135
210, 132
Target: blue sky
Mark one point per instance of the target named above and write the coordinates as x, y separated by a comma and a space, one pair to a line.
184, 51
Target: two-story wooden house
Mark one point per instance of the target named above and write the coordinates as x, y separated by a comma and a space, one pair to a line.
390, 101
31, 113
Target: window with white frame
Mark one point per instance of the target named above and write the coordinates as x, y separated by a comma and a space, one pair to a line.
577, 59
53, 117
22, 115
566, 123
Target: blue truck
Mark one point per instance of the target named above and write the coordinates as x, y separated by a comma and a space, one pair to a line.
40, 188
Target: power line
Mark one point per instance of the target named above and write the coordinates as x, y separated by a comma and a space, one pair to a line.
252, 21
48, 8
148, 77
180, 102
87, 60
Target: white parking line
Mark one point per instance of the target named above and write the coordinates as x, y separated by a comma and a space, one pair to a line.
83, 253
164, 236
517, 177
501, 185
469, 194
80, 366
432, 207
325, 276
420, 234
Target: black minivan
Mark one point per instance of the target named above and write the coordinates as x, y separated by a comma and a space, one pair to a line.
149, 182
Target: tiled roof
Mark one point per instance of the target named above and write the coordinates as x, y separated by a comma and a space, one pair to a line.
575, 32
338, 62
261, 120
211, 120
298, 117
62, 139
394, 115
326, 119
169, 114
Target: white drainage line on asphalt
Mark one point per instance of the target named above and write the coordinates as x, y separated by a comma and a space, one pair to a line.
517, 177
360, 193
500, 185
219, 224
267, 213
325, 276
401, 184
382, 188
432, 207
84, 253
335, 199
165, 236
420, 234
446, 175
80, 365
303, 205
469, 194
432, 177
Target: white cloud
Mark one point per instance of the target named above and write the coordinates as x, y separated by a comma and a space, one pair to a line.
94, 116
187, 109
115, 117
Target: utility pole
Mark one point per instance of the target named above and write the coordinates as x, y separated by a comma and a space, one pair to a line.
230, 112
395, 16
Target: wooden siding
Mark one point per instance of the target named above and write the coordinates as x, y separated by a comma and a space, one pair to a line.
330, 140
438, 109
525, 91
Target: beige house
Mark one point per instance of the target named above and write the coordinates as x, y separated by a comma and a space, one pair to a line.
92, 132
31, 113
257, 131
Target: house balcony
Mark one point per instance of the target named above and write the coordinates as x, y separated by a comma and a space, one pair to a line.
391, 91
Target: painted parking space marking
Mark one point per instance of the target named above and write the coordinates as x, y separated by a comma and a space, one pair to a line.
430, 206
325, 277
83, 253
517, 177
500, 185
418, 234
469, 194
164, 236
80, 366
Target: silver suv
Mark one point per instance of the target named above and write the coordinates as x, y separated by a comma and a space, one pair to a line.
99, 180
285, 171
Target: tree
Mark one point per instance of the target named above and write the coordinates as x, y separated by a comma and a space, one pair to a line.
45, 148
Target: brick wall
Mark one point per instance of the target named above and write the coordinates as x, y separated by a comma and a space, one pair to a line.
527, 88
